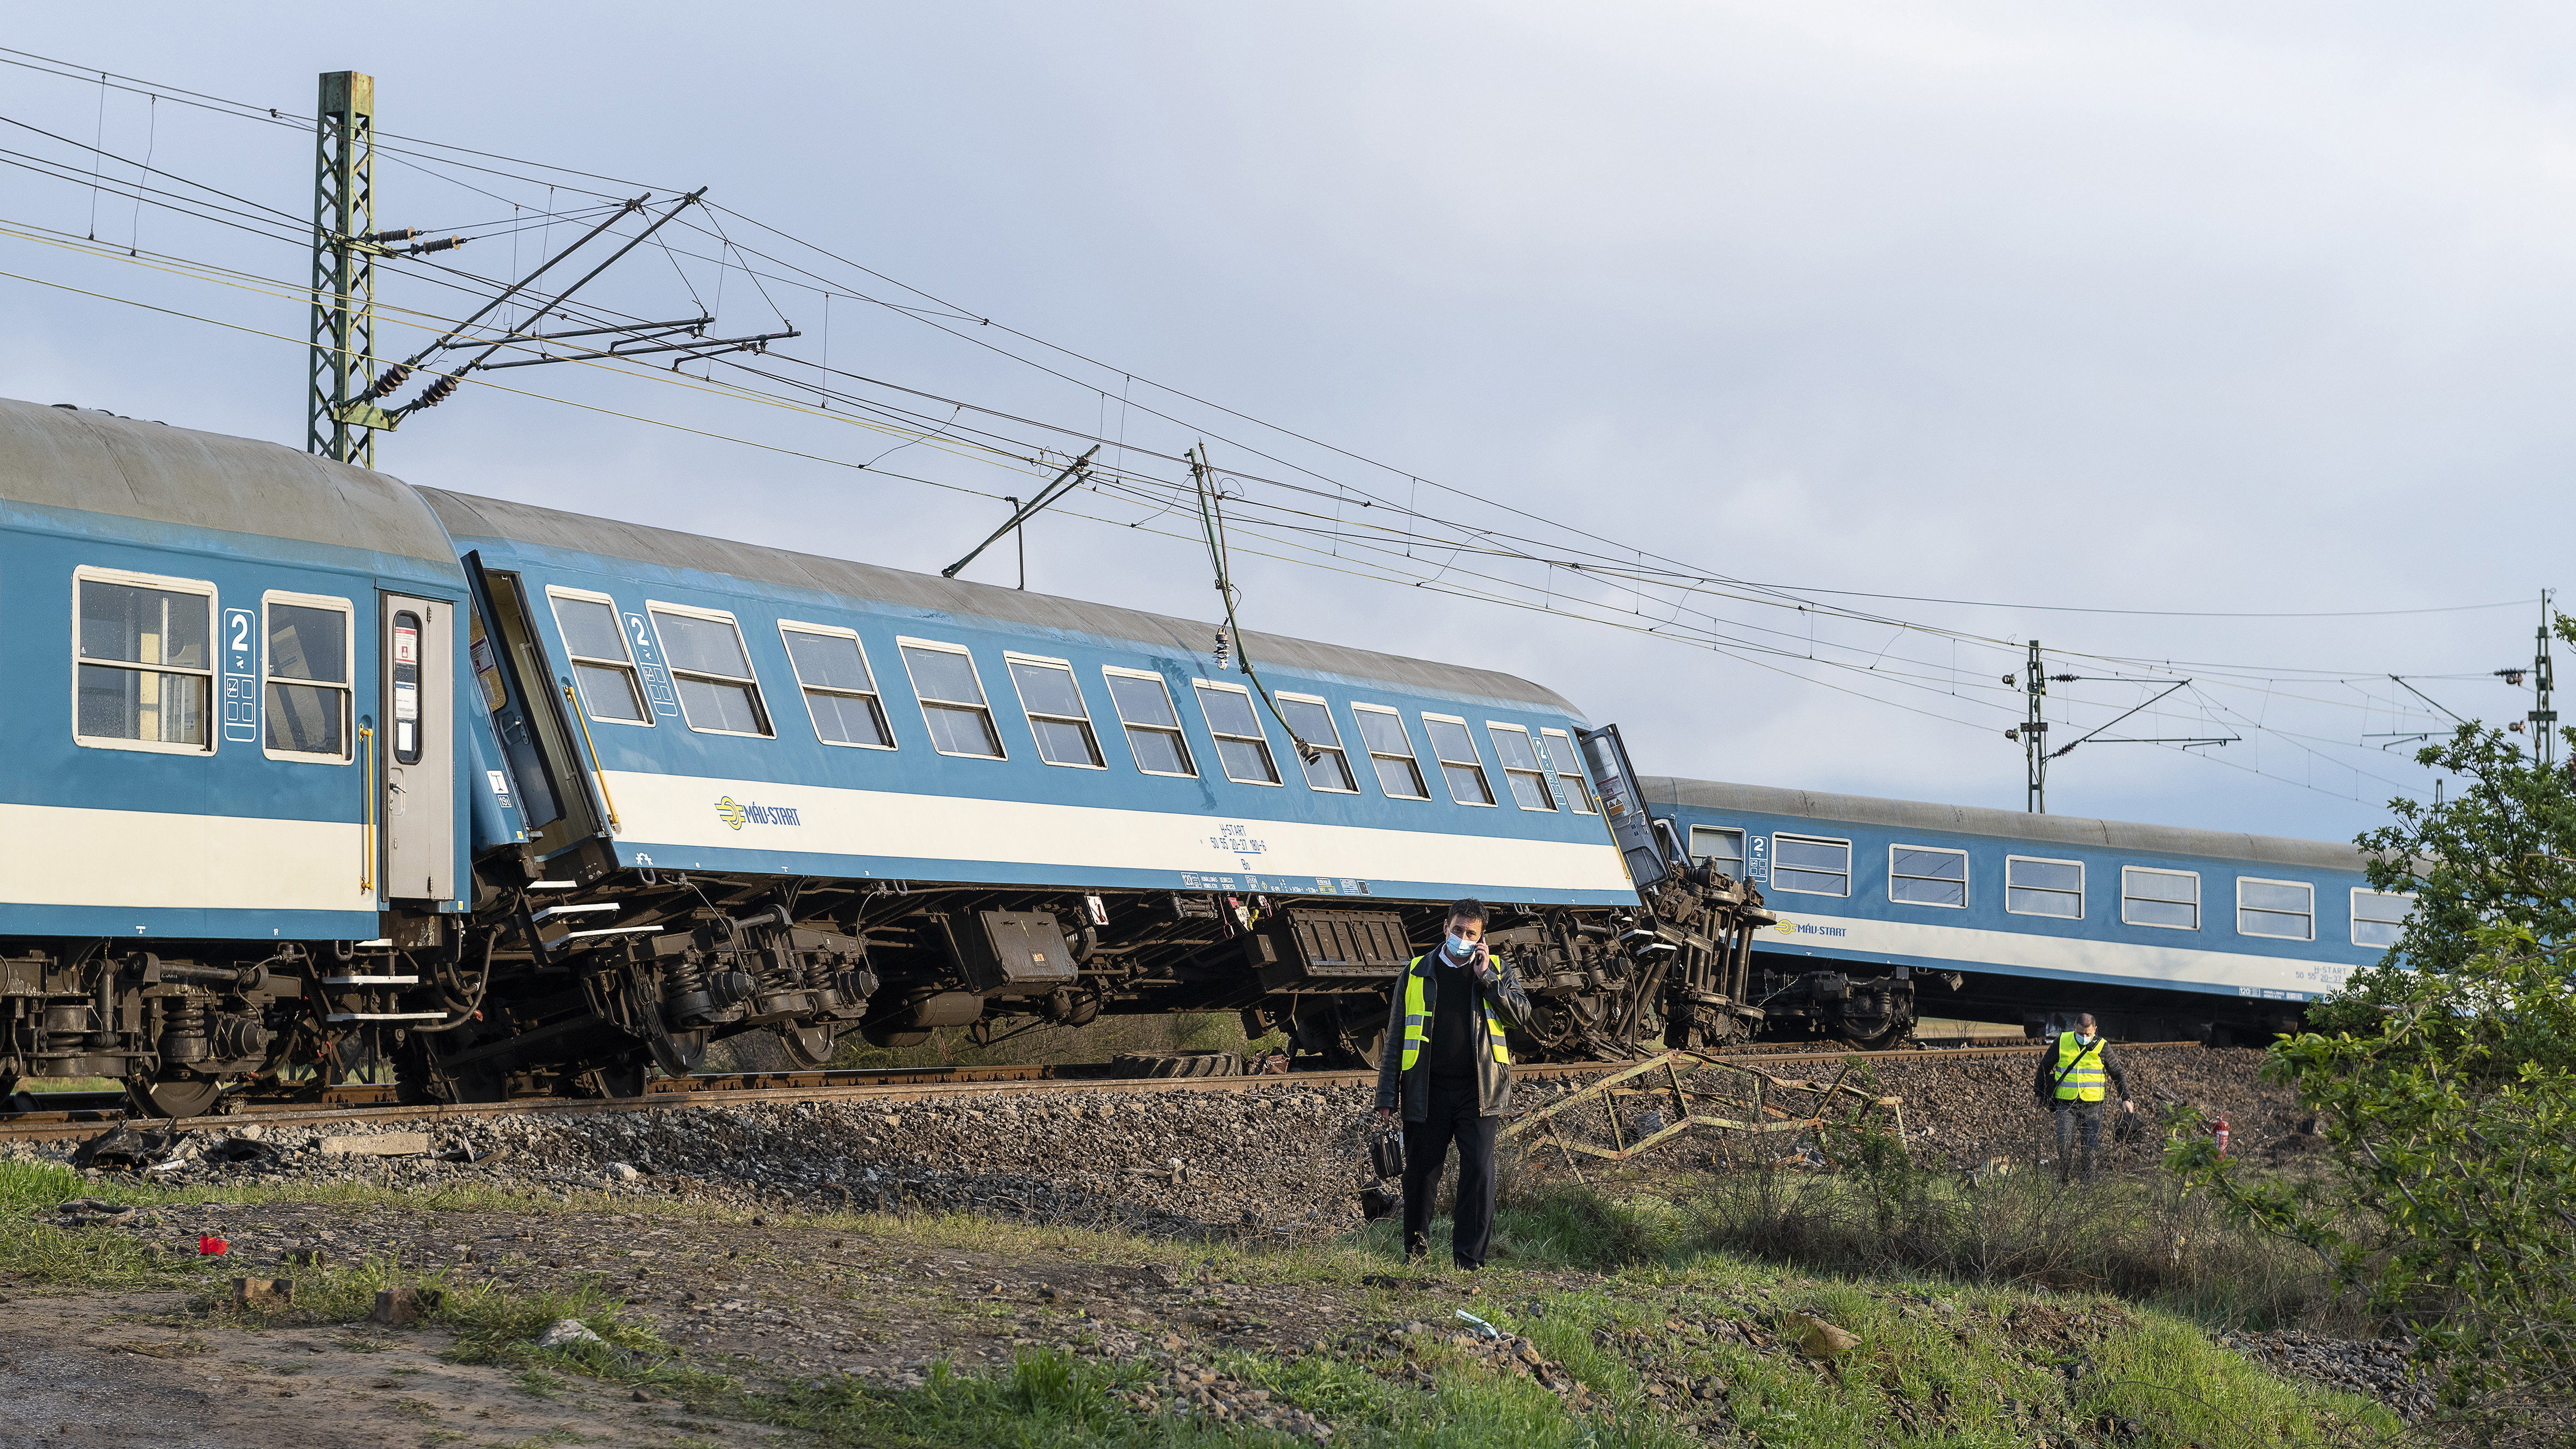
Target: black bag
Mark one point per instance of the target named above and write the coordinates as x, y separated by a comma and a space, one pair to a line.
1377, 1202
1386, 1154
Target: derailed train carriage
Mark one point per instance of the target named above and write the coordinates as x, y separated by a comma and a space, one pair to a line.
308, 766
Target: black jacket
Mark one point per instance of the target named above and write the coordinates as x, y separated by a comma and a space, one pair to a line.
2044, 1085
1493, 1078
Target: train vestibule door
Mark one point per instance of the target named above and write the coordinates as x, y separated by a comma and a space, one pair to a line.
417, 647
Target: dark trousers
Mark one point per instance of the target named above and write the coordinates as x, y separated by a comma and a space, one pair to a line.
2074, 1117
1453, 1119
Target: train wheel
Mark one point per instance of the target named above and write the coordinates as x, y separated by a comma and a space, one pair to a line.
810, 1047
174, 1096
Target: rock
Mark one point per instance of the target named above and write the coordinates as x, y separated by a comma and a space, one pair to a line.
377, 1144
1819, 1339
566, 1332
400, 1306
623, 1172
263, 1292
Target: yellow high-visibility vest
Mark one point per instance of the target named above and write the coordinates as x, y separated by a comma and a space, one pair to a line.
1417, 1019
2080, 1077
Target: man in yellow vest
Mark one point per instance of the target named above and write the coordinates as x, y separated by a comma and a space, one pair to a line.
1446, 1068
2072, 1082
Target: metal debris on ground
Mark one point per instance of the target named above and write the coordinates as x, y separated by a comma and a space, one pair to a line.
1753, 1097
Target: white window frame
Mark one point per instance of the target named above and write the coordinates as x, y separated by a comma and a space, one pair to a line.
2083, 887
1176, 730
2199, 912
1220, 739
1546, 786
1581, 802
1337, 746
634, 673
1743, 841
1090, 726
213, 672
1397, 715
2352, 917
348, 671
1805, 839
2243, 881
1438, 759
807, 691
1966, 868
905, 641
654, 609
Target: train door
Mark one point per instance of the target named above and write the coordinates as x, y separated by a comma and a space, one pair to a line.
419, 759
517, 679
1614, 780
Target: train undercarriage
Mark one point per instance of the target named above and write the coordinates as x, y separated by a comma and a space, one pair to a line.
585, 986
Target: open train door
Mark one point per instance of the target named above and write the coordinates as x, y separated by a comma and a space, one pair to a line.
1615, 781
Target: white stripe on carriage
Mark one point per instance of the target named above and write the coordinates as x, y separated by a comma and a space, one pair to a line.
1972, 949
680, 810
53, 855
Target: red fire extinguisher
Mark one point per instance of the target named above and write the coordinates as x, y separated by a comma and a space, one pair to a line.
2222, 1137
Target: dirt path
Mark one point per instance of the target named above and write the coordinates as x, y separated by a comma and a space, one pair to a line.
137, 1371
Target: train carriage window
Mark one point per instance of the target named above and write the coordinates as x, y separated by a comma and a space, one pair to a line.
1924, 875
1390, 749
1144, 705
1567, 762
2044, 887
1522, 770
1810, 865
2379, 917
1057, 715
2151, 897
145, 665
1460, 765
1718, 848
1241, 747
2284, 909
601, 663
719, 695
840, 689
307, 666
1312, 719
951, 692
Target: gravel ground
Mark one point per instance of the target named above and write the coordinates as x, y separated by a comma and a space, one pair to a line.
1278, 1161
2373, 1368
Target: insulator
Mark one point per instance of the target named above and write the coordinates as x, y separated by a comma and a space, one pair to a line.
439, 392
398, 234
388, 380
447, 243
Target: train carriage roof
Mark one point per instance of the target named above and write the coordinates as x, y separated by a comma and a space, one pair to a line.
2115, 835
82, 460
469, 517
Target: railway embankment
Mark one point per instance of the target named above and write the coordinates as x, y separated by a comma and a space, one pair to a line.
1087, 1265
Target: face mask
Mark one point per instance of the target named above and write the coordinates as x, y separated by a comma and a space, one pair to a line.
1460, 948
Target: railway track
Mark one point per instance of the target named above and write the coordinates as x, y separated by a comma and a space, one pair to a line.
93, 1112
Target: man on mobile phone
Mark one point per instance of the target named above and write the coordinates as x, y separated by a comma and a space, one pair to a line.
1447, 1071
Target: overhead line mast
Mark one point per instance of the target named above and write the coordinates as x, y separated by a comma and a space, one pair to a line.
343, 359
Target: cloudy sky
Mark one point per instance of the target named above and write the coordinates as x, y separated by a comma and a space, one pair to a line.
2120, 331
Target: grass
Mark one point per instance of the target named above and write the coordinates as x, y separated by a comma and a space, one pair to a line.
1626, 1294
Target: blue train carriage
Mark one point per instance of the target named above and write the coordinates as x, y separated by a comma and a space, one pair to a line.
767, 792
231, 784
1885, 906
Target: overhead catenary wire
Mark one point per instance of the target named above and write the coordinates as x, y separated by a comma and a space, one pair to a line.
1652, 584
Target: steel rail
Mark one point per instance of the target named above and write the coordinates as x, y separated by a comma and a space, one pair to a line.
367, 1103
